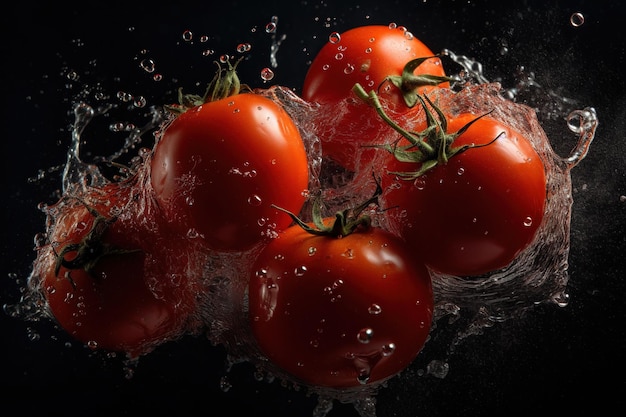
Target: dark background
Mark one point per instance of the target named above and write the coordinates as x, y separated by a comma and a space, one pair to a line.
564, 360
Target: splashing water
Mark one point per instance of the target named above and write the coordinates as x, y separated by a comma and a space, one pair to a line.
538, 275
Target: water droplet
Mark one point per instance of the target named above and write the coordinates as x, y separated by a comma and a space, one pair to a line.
187, 36
348, 69
254, 200
460, 171
408, 35
261, 273
438, 368
393, 25
388, 349
339, 56
528, 221
147, 65
334, 37
300, 271
368, 50
365, 335
267, 74
225, 384
312, 250
325, 67
243, 47
577, 19
270, 27
374, 309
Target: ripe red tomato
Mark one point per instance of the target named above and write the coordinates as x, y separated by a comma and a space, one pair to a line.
476, 212
339, 312
109, 283
219, 167
366, 55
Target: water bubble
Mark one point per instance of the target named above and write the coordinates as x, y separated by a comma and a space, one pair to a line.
254, 200
393, 25
408, 35
365, 335
577, 19
270, 27
388, 349
339, 56
208, 52
157, 77
368, 50
243, 47
312, 250
374, 309
528, 221
224, 58
139, 102
300, 271
187, 36
147, 65
334, 37
267, 74
348, 69
225, 384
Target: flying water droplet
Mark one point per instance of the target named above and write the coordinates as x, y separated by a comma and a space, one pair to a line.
365, 335
334, 37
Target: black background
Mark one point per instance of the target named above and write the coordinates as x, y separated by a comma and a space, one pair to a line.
565, 360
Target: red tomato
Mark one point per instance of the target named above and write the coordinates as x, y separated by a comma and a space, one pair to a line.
476, 212
339, 312
111, 284
220, 166
366, 55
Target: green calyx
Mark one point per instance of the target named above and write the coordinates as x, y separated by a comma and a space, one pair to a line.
225, 83
90, 249
345, 223
428, 148
408, 82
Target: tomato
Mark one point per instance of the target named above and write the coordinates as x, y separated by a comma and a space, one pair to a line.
220, 165
339, 312
366, 55
476, 211
108, 282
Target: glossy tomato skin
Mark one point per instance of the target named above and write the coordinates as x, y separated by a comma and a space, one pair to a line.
339, 312
133, 298
474, 214
364, 55
220, 166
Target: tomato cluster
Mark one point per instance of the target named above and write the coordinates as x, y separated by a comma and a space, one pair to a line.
333, 299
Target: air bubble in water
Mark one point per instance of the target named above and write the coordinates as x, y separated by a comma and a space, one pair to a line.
334, 37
